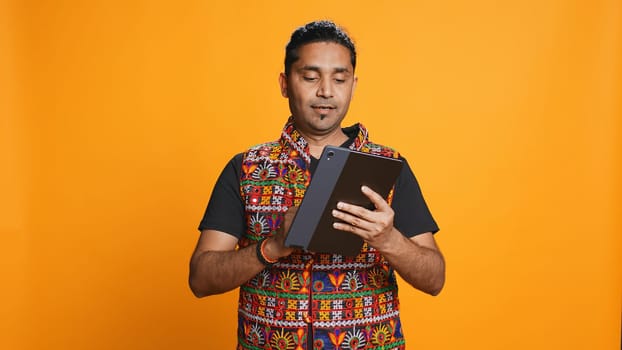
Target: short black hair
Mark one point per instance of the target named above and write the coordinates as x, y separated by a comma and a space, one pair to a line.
313, 32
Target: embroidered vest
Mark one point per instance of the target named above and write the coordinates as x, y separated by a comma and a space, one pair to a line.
331, 301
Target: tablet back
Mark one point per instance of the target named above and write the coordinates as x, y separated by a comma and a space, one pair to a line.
339, 176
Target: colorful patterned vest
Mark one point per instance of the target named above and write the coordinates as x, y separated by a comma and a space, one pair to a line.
329, 301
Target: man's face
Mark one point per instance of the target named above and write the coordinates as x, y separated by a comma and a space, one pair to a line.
319, 87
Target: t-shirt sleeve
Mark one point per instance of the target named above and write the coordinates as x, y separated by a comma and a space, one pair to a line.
225, 209
412, 216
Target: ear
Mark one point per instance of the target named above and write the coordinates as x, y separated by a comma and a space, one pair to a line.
356, 79
283, 84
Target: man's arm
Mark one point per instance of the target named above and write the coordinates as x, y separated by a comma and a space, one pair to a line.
217, 267
418, 259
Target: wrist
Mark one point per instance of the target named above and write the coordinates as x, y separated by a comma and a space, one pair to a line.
392, 242
265, 258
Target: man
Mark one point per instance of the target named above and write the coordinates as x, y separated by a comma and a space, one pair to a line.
291, 299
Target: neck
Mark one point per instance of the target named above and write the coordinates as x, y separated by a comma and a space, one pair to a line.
318, 142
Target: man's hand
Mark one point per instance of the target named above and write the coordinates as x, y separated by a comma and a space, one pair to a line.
375, 227
275, 246
417, 259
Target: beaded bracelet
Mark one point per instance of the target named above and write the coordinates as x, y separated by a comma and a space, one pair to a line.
261, 256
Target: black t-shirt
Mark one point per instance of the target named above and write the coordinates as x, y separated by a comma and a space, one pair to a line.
225, 210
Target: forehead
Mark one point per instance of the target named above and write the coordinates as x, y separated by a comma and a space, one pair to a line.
325, 55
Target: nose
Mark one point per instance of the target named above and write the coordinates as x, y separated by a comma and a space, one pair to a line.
325, 89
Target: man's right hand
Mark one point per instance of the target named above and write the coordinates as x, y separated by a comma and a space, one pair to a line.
217, 267
275, 246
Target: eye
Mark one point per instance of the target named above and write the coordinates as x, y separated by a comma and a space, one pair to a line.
309, 78
340, 78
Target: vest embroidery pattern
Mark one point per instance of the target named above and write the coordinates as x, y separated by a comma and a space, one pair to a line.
334, 301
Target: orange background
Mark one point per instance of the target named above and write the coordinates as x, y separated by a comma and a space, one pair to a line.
117, 117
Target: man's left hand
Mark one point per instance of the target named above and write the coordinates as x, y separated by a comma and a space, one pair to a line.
374, 226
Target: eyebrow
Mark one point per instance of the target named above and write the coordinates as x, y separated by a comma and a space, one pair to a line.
317, 69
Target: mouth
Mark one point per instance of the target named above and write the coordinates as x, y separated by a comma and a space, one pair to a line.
323, 109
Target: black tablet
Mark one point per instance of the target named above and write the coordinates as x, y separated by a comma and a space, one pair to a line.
339, 176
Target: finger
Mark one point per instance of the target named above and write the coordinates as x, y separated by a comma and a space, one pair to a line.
289, 217
375, 198
356, 211
342, 226
292, 210
350, 220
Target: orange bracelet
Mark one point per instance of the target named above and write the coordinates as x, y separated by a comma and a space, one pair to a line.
261, 255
